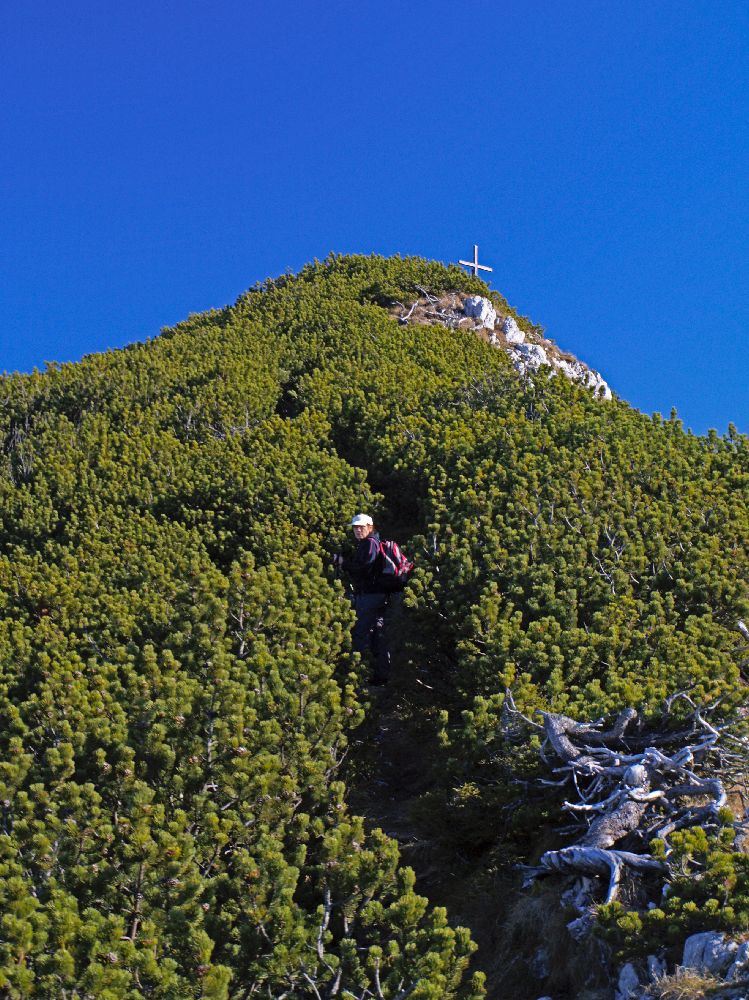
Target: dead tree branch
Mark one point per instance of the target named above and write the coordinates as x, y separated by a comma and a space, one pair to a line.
626, 789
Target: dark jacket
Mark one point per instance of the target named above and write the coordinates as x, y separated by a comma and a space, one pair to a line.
365, 566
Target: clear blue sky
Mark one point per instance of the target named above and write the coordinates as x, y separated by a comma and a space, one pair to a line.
156, 159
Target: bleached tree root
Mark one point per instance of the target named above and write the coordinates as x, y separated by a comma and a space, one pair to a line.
624, 795
596, 862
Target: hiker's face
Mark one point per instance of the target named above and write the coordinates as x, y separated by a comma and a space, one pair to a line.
362, 531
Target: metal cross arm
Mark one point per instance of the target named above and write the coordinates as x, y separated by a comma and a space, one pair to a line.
474, 264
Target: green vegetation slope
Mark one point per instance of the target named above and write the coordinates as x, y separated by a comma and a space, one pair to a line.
178, 692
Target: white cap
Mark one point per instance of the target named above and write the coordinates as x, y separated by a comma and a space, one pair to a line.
361, 519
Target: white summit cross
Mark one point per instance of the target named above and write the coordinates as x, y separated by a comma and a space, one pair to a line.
474, 264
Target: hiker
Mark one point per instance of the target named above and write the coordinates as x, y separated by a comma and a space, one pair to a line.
377, 596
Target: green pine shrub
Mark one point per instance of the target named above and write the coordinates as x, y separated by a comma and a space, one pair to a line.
177, 683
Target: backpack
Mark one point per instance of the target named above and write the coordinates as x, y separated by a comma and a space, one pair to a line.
396, 569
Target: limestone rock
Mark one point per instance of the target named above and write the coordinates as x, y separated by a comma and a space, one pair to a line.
740, 962
481, 308
656, 967
576, 371
628, 984
478, 313
582, 928
573, 370
595, 382
513, 333
710, 952
530, 357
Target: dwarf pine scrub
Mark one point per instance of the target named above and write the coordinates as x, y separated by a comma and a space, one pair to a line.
178, 689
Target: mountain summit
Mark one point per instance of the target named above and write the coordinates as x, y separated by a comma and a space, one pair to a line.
201, 798
527, 348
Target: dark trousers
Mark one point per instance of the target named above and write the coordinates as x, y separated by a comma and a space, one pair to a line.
375, 614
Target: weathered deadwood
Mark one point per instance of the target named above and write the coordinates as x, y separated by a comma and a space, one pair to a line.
431, 299
633, 796
404, 317
593, 861
711, 786
617, 731
625, 817
559, 729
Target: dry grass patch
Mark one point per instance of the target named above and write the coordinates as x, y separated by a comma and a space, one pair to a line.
687, 984
444, 310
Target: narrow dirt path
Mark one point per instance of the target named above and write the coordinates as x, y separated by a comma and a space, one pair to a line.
393, 757
390, 767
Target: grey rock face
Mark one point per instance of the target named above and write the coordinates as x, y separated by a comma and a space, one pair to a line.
740, 962
628, 984
572, 371
513, 333
581, 928
656, 967
529, 357
526, 357
594, 381
710, 952
576, 371
482, 309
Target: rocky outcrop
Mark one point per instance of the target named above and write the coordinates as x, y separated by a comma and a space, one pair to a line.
709, 952
579, 372
528, 356
722, 962
481, 309
528, 351
511, 330
628, 984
